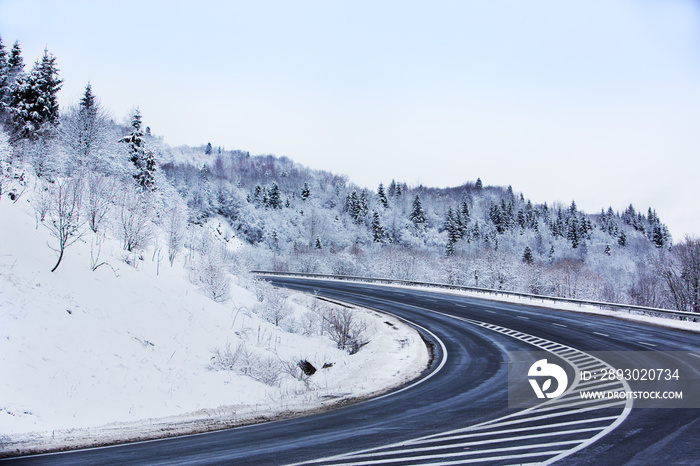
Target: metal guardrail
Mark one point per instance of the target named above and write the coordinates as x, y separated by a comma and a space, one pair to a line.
603, 305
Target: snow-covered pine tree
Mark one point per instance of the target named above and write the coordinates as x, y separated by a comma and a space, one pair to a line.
142, 159
15, 62
34, 100
364, 204
452, 226
392, 188
305, 192
464, 209
527, 256
574, 232
417, 215
450, 248
4, 86
353, 207
13, 68
622, 239
378, 233
274, 197
381, 196
84, 133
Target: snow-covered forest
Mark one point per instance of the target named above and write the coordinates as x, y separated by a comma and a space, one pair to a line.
81, 167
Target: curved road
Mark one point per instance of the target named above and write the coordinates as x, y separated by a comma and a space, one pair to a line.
459, 412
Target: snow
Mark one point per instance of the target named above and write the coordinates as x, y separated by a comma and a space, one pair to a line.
125, 351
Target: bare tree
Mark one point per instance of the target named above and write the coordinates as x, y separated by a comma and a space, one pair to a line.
65, 223
134, 218
681, 272
175, 228
211, 271
42, 200
276, 308
6, 171
214, 278
99, 199
345, 329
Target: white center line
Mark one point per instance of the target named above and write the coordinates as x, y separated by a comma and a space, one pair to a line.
695, 355
602, 334
523, 317
559, 325
645, 343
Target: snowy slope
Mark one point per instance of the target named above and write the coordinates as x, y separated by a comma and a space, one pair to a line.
126, 343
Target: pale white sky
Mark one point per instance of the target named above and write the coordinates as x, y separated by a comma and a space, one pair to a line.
597, 101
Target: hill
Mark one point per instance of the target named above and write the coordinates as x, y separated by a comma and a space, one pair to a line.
292, 218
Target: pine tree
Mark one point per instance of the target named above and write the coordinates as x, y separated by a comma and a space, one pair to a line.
392, 188
381, 196
4, 82
527, 256
3, 61
305, 192
352, 205
15, 62
622, 239
143, 160
658, 236
363, 205
476, 231
378, 233
417, 214
466, 215
450, 248
452, 226
34, 99
274, 198
574, 233
208, 150
84, 131
479, 185
13, 69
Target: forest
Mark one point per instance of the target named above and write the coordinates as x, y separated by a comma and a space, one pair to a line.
89, 175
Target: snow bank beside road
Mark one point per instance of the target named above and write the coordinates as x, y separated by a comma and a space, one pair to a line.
125, 352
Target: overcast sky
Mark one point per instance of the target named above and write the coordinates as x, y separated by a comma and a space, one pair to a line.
597, 101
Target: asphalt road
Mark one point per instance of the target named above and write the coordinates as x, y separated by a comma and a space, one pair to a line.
460, 412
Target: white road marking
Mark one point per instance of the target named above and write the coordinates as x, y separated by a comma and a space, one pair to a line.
523, 317
483, 442
559, 325
465, 453
645, 343
602, 334
438, 438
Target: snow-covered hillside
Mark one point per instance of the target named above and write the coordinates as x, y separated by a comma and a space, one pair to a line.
135, 347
